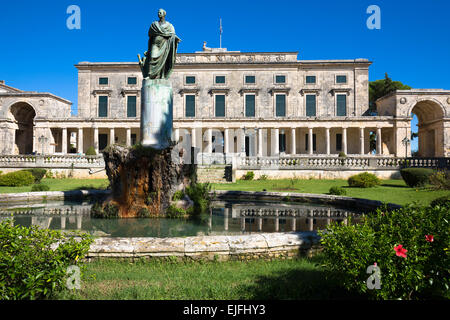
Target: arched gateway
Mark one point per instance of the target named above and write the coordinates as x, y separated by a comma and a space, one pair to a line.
22, 115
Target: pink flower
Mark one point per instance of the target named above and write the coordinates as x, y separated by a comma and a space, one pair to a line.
400, 251
429, 237
375, 264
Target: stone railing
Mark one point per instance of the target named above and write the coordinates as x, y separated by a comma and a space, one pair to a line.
336, 163
51, 161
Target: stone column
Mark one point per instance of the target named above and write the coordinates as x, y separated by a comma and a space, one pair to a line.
63, 223
112, 135
79, 222
128, 137
327, 140
193, 137
80, 140
242, 142
64, 140
225, 219
293, 141
294, 224
378, 141
311, 224
226, 141
310, 138
208, 141
276, 141
361, 141
344, 140
260, 223
277, 221
96, 146
176, 135
260, 142
242, 224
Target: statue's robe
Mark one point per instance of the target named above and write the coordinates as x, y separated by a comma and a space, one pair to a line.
162, 50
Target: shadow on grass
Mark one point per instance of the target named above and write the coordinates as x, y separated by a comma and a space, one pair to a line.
393, 185
299, 284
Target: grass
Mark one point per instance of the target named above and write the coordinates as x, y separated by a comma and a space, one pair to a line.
62, 185
300, 278
393, 191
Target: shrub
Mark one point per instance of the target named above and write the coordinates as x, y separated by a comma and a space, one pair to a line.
421, 272
16, 179
264, 177
250, 175
143, 213
342, 155
339, 191
199, 194
416, 177
91, 151
174, 212
30, 266
441, 201
109, 211
40, 187
177, 196
37, 173
440, 180
364, 180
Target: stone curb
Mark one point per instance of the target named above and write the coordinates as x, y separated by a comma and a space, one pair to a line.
52, 195
203, 247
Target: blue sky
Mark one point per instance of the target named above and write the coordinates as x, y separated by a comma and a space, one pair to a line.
38, 51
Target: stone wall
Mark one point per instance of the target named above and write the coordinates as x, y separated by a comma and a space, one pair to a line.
221, 248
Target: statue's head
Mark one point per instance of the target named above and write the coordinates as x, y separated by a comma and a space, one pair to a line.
161, 13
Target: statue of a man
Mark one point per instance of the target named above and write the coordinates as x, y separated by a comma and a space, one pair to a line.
162, 49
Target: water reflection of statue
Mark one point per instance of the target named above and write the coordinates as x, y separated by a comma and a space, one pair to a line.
162, 49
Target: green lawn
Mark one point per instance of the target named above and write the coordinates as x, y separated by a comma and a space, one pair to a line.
62, 185
156, 280
393, 191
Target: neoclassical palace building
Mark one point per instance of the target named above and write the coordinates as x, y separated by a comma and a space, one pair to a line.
230, 102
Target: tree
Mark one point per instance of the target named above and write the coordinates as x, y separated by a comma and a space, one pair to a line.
382, 87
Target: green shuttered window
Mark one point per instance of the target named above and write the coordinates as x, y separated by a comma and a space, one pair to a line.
280, 105
190, 80
250, 79
220, 105
103, 81
310, 105
103, 106
310, 79
190, 106
250, 105
341, 105
131, 106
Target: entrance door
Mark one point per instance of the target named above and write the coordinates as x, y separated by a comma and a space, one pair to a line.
102, 141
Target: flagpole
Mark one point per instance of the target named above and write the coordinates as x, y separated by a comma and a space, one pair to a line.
220, 33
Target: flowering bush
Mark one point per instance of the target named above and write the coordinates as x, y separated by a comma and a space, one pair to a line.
409, 245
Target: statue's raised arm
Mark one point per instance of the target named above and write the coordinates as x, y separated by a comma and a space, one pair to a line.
162, 49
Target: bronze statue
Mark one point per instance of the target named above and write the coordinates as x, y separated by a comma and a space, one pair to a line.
162, 49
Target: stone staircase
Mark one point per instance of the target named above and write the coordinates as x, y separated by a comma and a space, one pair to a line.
214, 174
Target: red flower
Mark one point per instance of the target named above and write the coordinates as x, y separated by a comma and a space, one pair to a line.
400, 251
429, 237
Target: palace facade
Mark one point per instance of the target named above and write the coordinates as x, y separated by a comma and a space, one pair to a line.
233, 103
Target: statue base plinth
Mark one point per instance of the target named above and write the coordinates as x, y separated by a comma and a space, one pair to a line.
156, 113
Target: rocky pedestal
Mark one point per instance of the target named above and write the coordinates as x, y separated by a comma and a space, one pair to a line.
156, 113
143, 180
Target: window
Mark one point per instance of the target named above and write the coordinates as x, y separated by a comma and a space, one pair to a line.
280, 101
131, 106
103, 81
341, 105
132, 80
310, 79
341, 79
220, 79
250, 79
307, 141
250, 105
133, 139
190, 106
190, 79
338, 142
311, 105
220, 105
103, 106
280, 79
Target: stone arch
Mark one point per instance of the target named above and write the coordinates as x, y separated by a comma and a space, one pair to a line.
22, 114
430, 114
